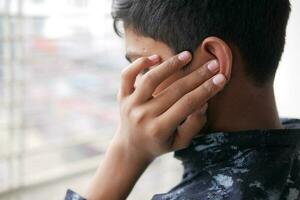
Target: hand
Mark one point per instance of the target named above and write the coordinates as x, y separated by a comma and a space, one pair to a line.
151, 126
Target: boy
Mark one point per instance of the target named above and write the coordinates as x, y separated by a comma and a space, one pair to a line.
213, 104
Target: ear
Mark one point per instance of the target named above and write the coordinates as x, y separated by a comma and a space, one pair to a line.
215, 48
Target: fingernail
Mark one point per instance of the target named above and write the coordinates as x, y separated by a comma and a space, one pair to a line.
154, 58
184, 56
219, 80
213, 66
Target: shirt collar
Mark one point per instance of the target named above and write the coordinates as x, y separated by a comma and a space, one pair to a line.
211, 148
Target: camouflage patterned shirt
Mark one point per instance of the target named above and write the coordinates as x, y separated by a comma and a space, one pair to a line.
248, 165
244, 165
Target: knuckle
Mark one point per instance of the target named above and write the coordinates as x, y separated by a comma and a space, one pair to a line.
153, 130
204, 72
149, 79
137, 115
190, 100
172, 62
181, 86
177, 91
208, 87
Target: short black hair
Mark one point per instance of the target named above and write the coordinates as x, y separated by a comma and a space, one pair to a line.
256, 27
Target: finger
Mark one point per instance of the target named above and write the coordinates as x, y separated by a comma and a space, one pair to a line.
156, 76
190, 128
129, 74
177, 90
188, 103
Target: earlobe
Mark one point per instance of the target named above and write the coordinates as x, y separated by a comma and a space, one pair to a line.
217, 48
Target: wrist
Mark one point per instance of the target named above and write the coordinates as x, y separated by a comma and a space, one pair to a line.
122, 168
129, 153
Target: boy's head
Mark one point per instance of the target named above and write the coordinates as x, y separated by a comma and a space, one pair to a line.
247, 38
254, 30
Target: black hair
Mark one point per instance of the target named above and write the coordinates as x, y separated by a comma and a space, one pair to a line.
256, 27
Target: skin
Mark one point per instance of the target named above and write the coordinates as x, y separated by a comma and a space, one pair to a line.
241, 101
163, 109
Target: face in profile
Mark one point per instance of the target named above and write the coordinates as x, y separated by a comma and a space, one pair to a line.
140, 46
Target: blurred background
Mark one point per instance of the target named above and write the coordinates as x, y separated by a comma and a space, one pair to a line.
60, 65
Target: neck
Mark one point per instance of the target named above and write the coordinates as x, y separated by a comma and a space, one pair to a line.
244, 108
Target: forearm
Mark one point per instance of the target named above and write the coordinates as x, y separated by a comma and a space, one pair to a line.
116, 175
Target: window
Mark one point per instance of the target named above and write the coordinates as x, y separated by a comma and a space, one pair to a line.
58, 88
